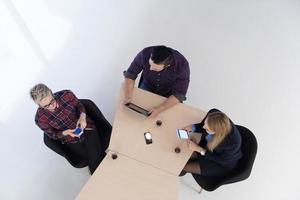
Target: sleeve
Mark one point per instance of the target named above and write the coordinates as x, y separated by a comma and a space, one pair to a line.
136, 66
224, 154
72, 99
42, 123
199, 127
182, 82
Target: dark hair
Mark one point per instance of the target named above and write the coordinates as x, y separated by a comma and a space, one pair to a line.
161, 55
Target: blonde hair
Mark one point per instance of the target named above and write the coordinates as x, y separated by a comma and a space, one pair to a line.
39, 91
220, 124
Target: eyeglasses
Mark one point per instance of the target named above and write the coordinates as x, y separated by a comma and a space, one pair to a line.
49, 104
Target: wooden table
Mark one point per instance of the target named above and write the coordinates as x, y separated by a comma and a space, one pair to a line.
143, 171
127, 179
129, 128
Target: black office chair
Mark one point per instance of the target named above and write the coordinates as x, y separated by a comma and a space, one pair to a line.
243, 168
104, 129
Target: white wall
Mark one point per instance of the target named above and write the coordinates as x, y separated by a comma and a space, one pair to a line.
244, 59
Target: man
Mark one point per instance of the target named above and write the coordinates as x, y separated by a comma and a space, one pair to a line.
59, 114
165, 72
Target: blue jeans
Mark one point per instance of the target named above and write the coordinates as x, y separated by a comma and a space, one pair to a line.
144, 87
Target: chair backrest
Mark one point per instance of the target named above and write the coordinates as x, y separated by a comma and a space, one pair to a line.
103, 126
243, 168
245, 164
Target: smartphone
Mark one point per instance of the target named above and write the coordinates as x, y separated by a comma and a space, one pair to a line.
182, 134
148, 137
78, 131
138, 109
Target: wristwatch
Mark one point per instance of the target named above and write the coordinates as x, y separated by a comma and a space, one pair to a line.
202, 152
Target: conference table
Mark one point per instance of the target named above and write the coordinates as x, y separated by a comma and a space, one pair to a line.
133, 169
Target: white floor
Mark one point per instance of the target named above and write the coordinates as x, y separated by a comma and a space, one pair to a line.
62, 182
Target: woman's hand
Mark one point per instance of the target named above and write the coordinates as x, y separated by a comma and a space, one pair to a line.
188, 128
193, 146
192, 136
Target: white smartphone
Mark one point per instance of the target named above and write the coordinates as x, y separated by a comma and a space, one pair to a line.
182, 134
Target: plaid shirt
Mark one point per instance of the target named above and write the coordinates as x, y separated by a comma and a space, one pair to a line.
64, 117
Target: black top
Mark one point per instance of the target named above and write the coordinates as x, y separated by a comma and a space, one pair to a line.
228, 152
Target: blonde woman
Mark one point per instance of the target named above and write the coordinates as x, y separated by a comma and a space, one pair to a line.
219, 149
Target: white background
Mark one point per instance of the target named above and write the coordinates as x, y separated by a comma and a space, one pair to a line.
244, 60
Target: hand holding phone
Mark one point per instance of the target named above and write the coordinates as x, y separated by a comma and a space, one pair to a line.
78, 131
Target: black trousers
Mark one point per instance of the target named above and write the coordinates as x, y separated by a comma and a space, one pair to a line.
90, 149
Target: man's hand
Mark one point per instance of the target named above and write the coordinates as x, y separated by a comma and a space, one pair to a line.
127, 98
81, 123
128, 90
168, 103
69, 132
154, 112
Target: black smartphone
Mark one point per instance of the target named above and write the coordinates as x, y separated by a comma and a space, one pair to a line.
138, 109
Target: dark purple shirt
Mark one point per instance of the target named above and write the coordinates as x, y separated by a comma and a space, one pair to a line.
173, 80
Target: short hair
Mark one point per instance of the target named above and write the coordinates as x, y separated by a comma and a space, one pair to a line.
161, 55
39, 91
